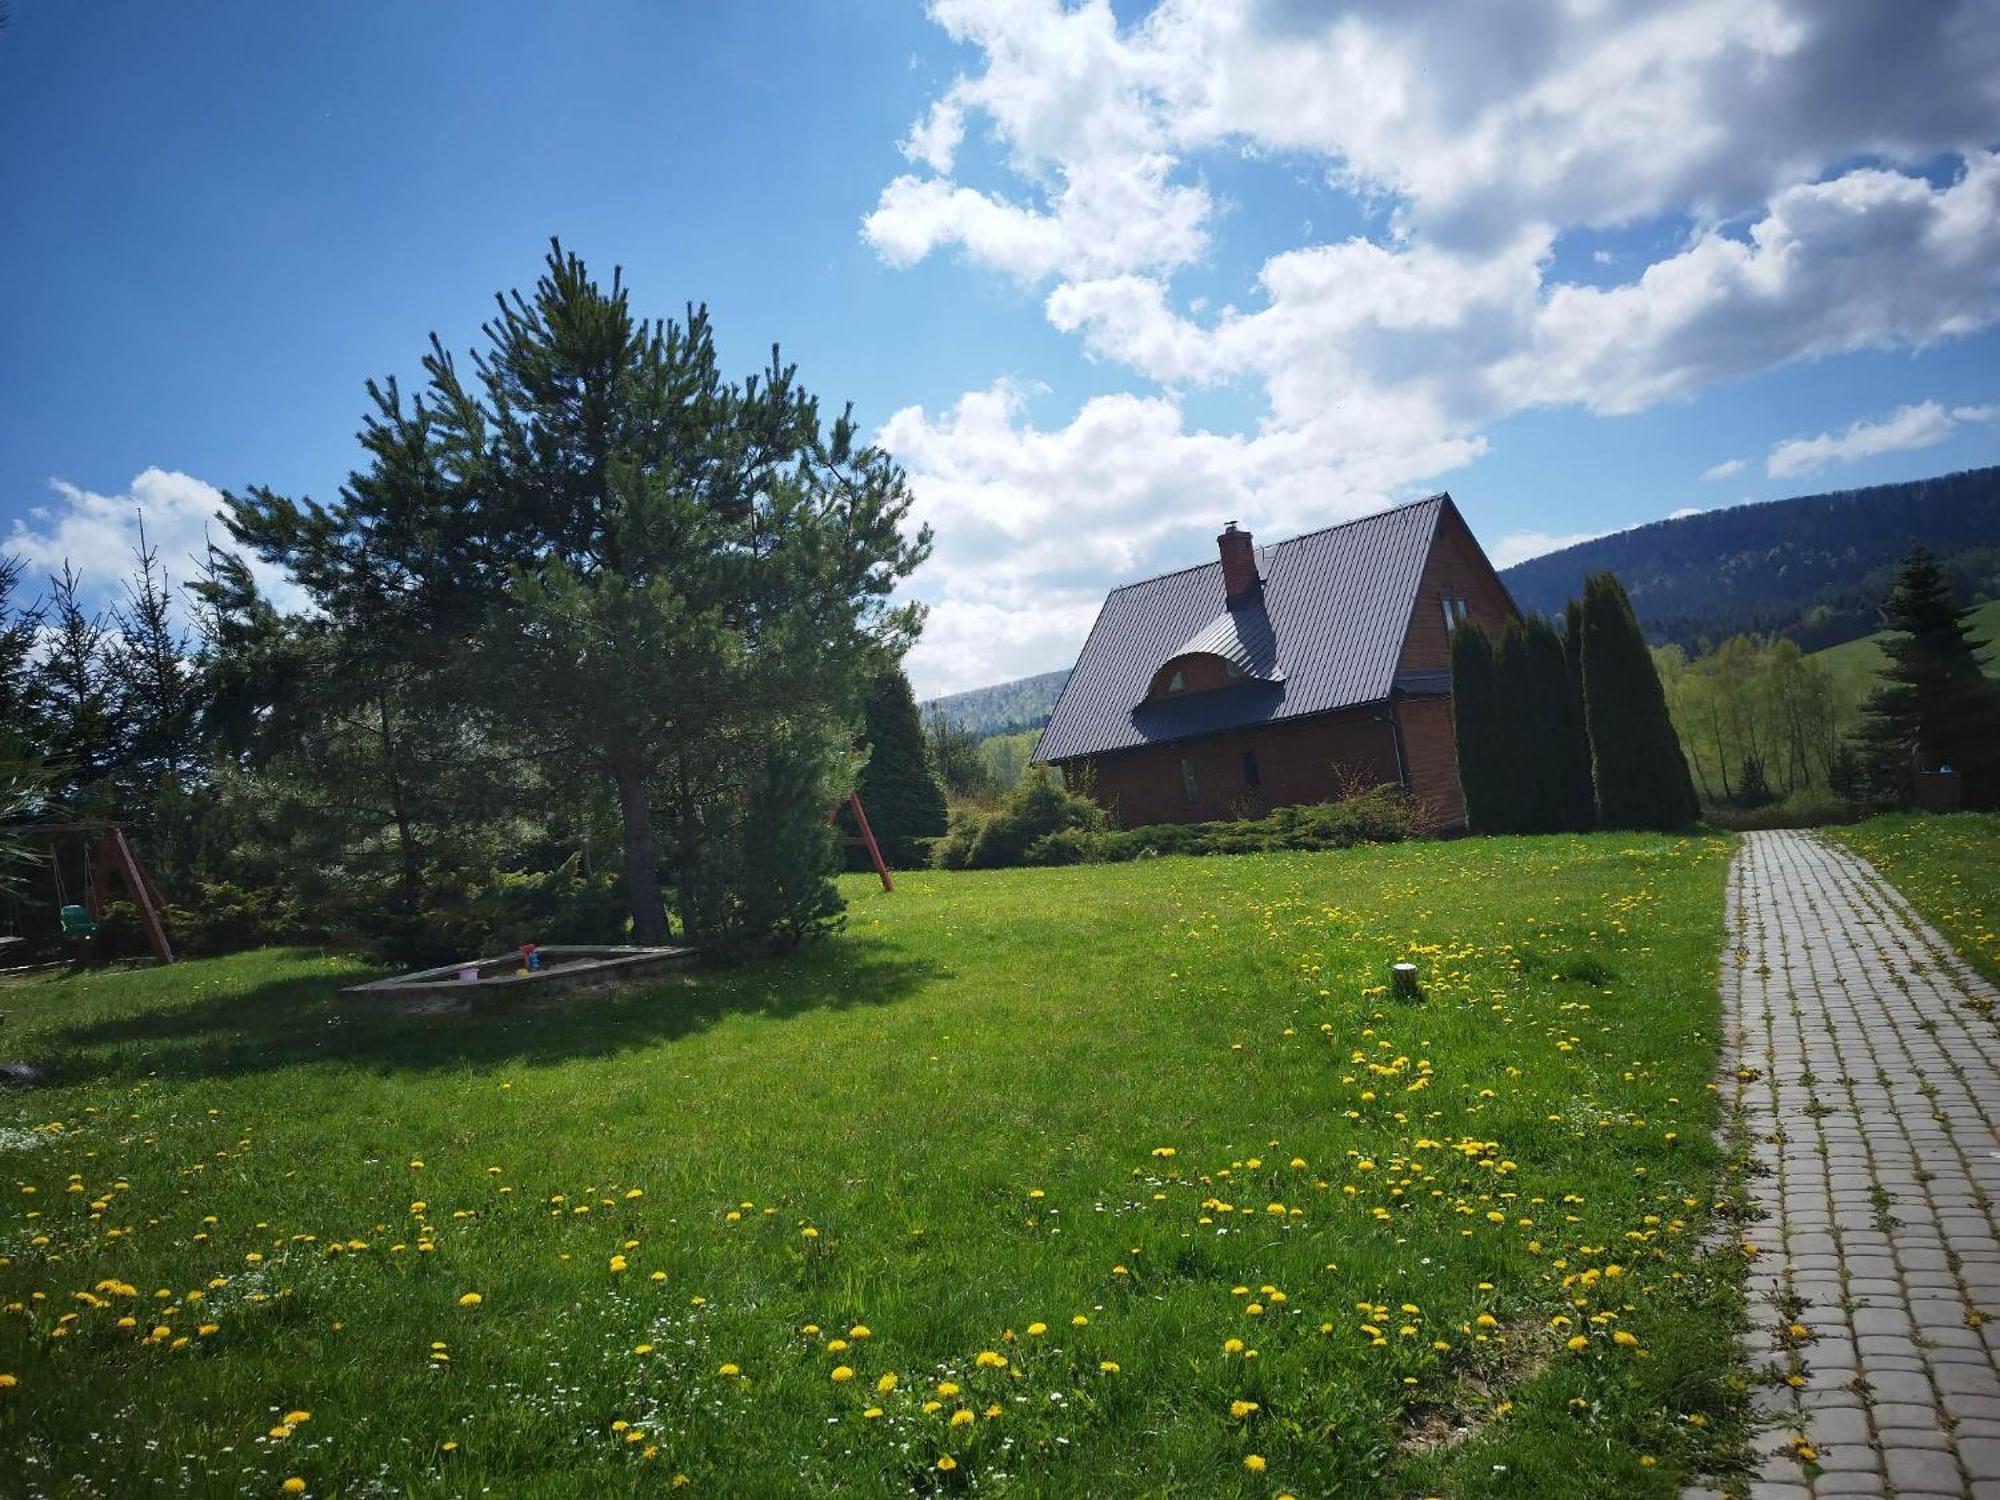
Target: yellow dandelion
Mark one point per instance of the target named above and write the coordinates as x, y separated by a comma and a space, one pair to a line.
470, 1299
842, 1373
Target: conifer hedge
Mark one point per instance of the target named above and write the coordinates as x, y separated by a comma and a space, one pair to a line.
1642, 776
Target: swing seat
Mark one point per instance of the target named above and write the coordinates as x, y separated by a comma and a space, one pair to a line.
77, 921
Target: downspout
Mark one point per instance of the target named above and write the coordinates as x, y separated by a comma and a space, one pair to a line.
1396, 740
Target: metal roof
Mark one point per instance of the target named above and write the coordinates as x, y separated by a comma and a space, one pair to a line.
1327, 635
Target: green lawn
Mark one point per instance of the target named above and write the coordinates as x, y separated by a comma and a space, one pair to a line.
1948, 867
1139, 1179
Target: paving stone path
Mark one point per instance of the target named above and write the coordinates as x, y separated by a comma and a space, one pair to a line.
1872, 1095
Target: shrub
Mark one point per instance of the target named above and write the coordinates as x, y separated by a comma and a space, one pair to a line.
1032, 811
1377, 815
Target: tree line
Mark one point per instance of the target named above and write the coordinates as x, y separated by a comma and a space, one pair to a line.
585, 650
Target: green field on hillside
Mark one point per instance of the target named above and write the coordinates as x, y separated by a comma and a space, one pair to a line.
1948, 868
1088, 1181
1856, 664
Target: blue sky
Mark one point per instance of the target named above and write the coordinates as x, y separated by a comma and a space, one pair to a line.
1101, 277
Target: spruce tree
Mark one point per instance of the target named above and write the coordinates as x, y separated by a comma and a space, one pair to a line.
73, 702
20, 625
1641, 774
1475, 713
900, 793
153, 681
1579, 789
1937, 707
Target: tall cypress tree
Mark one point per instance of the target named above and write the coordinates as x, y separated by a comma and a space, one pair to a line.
899, 791
1641, 774
1474, 708
1579, 790
1937, 707
1523, 801
1545, 681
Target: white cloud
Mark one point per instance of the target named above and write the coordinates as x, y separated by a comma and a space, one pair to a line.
1684, 512
1975, 413
1031, 522
1383, 359
1519, 546
96, 534
1918, 426
1724, 469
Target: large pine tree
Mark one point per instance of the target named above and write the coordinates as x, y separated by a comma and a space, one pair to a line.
899, 791
1937, 707
643, 568
1641, 774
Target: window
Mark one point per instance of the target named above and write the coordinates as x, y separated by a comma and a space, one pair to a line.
1253, 775
1455, 611
1189, 785
1177, 683
1234, 670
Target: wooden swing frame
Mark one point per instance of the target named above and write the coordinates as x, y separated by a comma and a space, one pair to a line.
864, 839
113, 853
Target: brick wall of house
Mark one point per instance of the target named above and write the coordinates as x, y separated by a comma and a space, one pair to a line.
1296, 762
1455, 569
1430, 760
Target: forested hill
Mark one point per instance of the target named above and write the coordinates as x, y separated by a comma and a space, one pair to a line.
1815, 568
1011, 706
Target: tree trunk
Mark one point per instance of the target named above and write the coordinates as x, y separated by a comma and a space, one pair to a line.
642, 862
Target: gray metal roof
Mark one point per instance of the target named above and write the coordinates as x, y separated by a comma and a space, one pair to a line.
1327, 635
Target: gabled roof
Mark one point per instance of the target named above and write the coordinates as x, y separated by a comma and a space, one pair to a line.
1327, 635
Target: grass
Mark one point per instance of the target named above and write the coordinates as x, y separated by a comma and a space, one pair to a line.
1857, 664
1141, 1168
1949, 869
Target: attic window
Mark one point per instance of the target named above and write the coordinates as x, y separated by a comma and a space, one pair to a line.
1177, 683
1234, 669
1455, 611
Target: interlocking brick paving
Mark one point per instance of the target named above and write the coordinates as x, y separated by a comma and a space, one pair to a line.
1866, 1059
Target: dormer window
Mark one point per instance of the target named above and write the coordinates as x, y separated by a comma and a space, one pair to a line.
1178, 682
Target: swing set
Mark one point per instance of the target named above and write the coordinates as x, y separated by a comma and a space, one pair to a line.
105, 852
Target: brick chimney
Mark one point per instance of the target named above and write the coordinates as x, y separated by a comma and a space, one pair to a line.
1240, 582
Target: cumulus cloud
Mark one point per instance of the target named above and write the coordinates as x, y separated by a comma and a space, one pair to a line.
1918, 426
1724, 470
97, 534
1828, 166
1519, 546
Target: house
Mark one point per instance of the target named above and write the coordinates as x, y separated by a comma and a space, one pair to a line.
1280, 674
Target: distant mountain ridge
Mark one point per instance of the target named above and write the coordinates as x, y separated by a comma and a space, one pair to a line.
1005, 708
1815, 568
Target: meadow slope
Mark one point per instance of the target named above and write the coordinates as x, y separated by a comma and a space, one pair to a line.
1119, 1180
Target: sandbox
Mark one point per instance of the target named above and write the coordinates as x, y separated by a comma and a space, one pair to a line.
566, 969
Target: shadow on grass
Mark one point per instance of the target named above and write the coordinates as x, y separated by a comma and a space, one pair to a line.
305, 1020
